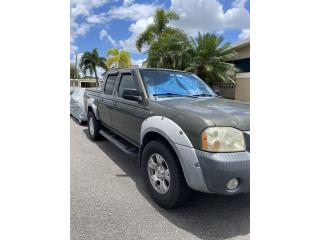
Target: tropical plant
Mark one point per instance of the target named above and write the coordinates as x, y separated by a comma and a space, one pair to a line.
210, 58
119, 59
90, 61
87, 77
170, 51
74, 72
160, 26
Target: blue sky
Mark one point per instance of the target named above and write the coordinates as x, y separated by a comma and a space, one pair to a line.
106, 24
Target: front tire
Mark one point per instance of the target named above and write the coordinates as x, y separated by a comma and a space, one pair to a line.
94, 127
163, 176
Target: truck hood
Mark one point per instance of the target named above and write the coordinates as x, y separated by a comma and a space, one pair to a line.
214, 111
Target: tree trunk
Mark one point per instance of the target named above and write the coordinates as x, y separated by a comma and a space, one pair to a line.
96, 76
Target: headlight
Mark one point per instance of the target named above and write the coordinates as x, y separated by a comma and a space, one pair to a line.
222, 139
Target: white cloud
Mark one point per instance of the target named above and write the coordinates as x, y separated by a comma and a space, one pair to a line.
140, 13
100, 71
245, 33
213, 18
88, 3
76, 31
99, 18
83, 8
79, 10
135, 11
82, 29
219, 32
136, 28
73, 48
236, 18
138, 62
239, 3
129, 10
195, 16
128, 2
104, 35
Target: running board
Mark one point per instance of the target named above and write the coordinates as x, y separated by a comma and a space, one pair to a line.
131, 150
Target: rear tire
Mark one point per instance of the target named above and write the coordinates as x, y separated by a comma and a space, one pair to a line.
94, 127
178, 192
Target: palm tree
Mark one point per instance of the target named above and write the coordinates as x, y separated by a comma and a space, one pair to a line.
116, 58
210, 58
160, 26
90, 61
170, 51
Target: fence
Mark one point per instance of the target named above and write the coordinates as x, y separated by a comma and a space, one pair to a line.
240, 90
226, 90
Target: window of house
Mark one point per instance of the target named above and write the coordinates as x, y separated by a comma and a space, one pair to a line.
242, 64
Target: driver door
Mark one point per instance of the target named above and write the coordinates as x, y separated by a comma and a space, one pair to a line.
127, 115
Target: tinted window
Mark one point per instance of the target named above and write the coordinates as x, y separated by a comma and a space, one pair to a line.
109, 84
127, 82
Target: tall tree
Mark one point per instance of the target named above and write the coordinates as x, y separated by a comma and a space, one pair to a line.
116, 58
210, 58
170, 51
160, 26
90, 61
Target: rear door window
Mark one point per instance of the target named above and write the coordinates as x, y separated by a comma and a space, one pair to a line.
108, 89
127, 82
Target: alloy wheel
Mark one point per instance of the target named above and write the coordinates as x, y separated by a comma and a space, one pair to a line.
159, 173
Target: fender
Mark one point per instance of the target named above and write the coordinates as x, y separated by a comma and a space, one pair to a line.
181, 144
91, 103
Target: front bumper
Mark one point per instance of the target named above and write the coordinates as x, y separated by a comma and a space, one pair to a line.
219, 168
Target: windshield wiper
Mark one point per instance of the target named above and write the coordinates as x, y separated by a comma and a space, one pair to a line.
202, 95
169, 94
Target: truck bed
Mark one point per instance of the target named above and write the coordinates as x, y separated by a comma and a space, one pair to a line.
93, 90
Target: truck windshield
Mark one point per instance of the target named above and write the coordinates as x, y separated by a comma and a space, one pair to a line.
174, 84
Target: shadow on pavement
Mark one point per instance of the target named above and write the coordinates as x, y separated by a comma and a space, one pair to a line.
83, 123
206, 216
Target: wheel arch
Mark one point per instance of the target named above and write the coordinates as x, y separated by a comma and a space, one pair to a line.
167, 130
157, 134
91, 106
153, 135
158, 127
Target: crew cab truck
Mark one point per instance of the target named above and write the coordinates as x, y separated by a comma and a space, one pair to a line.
185, 136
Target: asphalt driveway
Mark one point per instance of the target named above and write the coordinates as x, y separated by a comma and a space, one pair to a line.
109, 201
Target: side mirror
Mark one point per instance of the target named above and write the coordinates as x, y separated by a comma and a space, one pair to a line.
132, 94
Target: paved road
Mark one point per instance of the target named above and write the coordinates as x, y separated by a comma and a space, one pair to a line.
109, 201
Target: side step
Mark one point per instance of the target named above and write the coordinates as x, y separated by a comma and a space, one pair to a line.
128, 149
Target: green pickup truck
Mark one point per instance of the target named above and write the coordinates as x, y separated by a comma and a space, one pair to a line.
184, 135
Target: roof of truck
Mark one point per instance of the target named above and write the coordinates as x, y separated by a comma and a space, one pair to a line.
114, 70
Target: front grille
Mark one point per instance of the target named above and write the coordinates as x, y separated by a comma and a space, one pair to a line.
247, 140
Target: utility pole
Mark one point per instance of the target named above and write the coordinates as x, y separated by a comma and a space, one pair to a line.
75, 73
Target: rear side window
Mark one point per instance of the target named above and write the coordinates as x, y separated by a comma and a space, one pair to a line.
108, 89
127, 82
